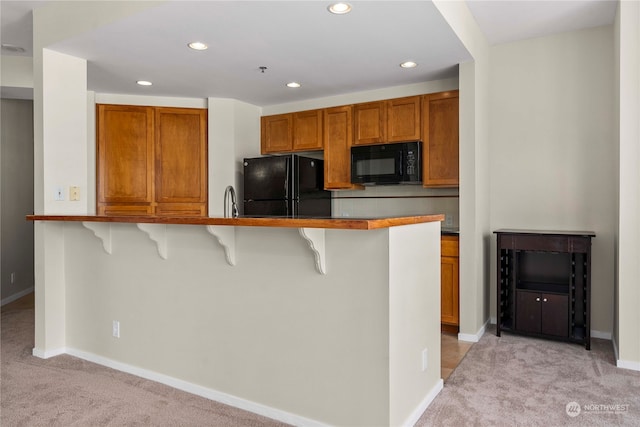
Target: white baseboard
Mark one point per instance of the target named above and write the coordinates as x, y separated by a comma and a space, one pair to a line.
218, 396
45, 354
474, 337
594, 333
16, 296
624, 364
417, 413
627, 364
601, 335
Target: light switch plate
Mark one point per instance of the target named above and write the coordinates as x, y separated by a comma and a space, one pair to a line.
74, 193
59, 194
448, 220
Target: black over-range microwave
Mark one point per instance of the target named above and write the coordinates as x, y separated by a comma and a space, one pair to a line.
398, 163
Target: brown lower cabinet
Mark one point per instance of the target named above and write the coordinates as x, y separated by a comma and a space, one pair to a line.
151, 161
449, 283
541, 313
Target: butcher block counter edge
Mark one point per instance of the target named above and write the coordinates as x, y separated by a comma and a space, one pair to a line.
331, 223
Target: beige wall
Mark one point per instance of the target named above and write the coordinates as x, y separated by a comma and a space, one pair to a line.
16, 192
16, 75
627, 78
343, 348
553, 149
474, 181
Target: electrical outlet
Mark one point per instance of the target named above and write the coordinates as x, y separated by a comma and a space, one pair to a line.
116, 329
74, 193
13, 278
448, 220
425, 359
59, 194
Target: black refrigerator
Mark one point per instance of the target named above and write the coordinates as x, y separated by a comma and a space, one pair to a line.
288, 186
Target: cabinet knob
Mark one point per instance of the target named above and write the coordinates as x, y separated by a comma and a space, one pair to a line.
538, 299
544, 300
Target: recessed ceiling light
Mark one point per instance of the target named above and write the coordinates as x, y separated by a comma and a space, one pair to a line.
144, 83
293, 84
340, 8
408, 64
198, 46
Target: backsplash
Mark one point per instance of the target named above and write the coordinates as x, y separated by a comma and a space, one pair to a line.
397, 200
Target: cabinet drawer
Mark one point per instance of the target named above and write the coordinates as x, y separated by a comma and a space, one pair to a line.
449, 246
125, 210
534, 243
547, 243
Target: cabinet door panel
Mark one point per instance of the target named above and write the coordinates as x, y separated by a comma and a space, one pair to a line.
555, 315
449, 291
440, 140
337, 147
528, 311
370, 123
403, 119
181, 155
307, 130
125, 154
276, 133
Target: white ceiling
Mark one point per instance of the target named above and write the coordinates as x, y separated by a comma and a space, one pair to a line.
296, 40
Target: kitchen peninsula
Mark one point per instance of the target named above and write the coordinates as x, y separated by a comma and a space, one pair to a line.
306, 320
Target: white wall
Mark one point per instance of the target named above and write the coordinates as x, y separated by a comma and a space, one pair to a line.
414, 320
17, 71
16, 75
343, 348
234, 133
553, 149
364, 96
64, 103
474, 173
627, 78
16, 193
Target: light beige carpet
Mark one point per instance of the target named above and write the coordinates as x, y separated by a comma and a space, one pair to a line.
507, 381
522, 381
66, 391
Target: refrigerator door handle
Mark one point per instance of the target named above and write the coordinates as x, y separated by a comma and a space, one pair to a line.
287, 176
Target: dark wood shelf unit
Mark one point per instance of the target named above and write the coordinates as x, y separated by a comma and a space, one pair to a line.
544, 284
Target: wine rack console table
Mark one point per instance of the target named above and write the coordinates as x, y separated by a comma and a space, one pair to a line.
544, 284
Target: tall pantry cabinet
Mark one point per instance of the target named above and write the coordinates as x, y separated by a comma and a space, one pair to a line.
151, 160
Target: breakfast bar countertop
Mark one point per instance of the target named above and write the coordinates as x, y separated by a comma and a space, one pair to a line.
345, 223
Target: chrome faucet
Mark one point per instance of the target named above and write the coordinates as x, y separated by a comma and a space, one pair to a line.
234, 203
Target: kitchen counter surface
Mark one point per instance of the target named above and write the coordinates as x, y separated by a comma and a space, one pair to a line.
300, 222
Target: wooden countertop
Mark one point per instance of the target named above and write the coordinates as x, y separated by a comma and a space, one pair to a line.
335, 223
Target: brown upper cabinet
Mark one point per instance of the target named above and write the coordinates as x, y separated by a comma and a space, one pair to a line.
392, 120
307, 130
370, 123
338, 134
151, 160
440, 139
299, 131
403, 119
276, 133
181, 161
432, 119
